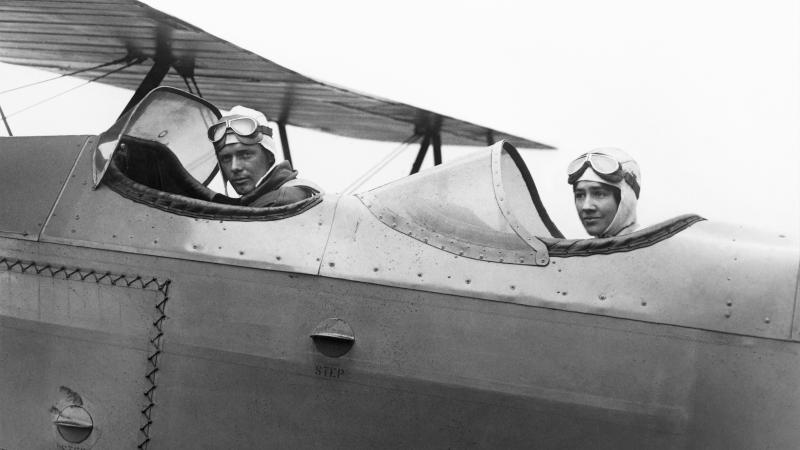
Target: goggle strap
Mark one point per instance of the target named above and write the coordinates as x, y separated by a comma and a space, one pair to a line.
631, 180
265, 130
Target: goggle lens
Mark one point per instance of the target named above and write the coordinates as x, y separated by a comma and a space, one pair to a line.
576, 165
243, 126
603, 164
216, 132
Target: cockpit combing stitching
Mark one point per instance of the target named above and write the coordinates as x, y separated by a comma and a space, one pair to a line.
137, 282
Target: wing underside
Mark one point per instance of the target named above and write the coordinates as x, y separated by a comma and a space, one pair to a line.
67, 36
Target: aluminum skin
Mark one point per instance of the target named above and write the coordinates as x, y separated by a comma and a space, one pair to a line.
239, 370
32, 175
687, 343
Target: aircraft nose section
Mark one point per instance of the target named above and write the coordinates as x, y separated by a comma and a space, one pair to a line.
74, 424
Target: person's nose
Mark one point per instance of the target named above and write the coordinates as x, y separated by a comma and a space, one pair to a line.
236, 165
588, 204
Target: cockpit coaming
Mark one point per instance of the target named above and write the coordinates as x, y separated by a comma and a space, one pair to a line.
157, 154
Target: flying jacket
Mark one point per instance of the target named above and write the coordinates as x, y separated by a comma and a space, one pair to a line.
280, 187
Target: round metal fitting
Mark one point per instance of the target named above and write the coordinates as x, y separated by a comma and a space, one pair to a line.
333, 337
74, 424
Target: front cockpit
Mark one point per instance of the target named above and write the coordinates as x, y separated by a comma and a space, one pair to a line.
484, 206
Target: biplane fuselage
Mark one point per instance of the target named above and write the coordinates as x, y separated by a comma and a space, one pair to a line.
436, 311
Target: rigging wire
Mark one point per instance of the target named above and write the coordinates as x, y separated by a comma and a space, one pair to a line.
5, 121
380, 165
135, 61
110, 63
188, 87
196, 87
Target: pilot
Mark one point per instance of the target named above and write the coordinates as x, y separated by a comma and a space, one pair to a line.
246, 155
605, 183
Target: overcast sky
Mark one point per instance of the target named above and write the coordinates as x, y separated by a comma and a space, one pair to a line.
704, 94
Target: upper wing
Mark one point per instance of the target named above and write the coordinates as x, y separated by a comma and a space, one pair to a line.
65, 36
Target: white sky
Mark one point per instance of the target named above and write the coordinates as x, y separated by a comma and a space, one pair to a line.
704, 94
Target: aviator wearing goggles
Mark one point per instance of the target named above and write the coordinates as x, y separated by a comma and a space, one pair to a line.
245, 129
605, 166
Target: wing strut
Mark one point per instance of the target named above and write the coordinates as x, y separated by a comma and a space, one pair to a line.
423, 149
437, 149
151, 81
287, 155
436, 139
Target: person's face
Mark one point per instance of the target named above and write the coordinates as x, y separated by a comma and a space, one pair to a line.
243, 165
596, 205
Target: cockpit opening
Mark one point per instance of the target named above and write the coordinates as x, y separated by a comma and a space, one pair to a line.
158, 154
486, 207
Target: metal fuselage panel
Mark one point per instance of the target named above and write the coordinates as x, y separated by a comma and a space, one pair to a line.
101, 218
71, 338
32, 173
238, 369
709, 276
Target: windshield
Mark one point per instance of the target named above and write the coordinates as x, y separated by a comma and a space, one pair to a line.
484, 206
171, 119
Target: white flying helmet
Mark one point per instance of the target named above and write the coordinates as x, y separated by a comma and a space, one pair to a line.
616, 168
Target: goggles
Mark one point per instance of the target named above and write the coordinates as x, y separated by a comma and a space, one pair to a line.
246, 129
605, 166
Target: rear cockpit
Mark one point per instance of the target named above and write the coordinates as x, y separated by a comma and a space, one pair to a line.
158, 154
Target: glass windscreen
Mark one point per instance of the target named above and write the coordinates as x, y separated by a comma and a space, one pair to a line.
479, 207
172, 118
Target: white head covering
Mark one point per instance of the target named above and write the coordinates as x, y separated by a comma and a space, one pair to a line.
625, 219
267, 143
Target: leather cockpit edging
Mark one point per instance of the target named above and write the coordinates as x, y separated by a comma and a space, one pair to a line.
565, 248
200, 209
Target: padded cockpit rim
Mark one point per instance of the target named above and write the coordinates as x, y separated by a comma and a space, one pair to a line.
200, 209
645, 237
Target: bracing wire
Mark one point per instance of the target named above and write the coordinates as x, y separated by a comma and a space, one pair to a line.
380, 165
188, 87
75, 72
5, 121
136, 61
196, 87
